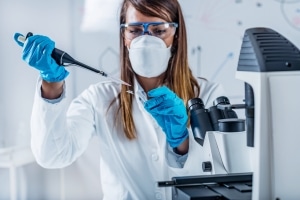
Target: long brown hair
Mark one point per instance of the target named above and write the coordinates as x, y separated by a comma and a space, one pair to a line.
178, 76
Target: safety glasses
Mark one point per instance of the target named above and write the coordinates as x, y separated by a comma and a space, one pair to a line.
161, 30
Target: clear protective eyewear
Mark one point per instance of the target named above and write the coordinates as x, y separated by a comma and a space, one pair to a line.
161, 30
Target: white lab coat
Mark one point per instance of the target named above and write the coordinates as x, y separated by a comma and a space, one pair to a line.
130, 169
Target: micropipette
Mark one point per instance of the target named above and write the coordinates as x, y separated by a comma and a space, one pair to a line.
64, 59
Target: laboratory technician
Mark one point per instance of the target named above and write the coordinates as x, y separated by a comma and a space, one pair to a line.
144, 134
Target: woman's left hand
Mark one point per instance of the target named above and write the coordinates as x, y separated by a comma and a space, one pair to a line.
170, 113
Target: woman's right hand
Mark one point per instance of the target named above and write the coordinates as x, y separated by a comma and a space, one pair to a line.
37, 50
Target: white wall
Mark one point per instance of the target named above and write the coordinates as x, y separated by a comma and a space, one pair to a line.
55, 19
215, 31
18, 84
218, 26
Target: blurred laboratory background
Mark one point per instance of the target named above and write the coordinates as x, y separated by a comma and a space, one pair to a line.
88, 30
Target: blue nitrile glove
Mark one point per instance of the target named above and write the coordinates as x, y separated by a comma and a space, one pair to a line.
37, 51
170, 113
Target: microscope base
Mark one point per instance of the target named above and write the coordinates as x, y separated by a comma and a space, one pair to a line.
221, 186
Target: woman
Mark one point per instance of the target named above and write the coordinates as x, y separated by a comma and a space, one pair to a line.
144, 134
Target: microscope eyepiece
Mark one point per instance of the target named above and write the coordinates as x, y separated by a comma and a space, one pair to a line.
199, 117
195, 103
203, 120
221, 100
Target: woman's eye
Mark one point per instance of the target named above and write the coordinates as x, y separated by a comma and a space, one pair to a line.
159, 31
134, 31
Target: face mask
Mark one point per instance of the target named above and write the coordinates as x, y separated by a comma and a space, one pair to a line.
149, 56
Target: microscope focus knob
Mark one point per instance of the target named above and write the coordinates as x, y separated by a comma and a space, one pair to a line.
206, 166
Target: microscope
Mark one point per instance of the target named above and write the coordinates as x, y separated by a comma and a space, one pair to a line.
221, 135
269, 65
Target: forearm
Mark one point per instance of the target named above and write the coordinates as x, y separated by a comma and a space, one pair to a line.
51, 90
47, 142
183, 148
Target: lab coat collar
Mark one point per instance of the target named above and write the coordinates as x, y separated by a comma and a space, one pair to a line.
139, 92
137, 86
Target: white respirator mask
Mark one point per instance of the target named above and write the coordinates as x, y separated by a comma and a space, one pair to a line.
149, 56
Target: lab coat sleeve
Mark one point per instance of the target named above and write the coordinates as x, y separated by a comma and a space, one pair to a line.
59, 133
174, 159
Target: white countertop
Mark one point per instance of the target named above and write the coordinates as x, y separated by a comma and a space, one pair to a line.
15, 156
